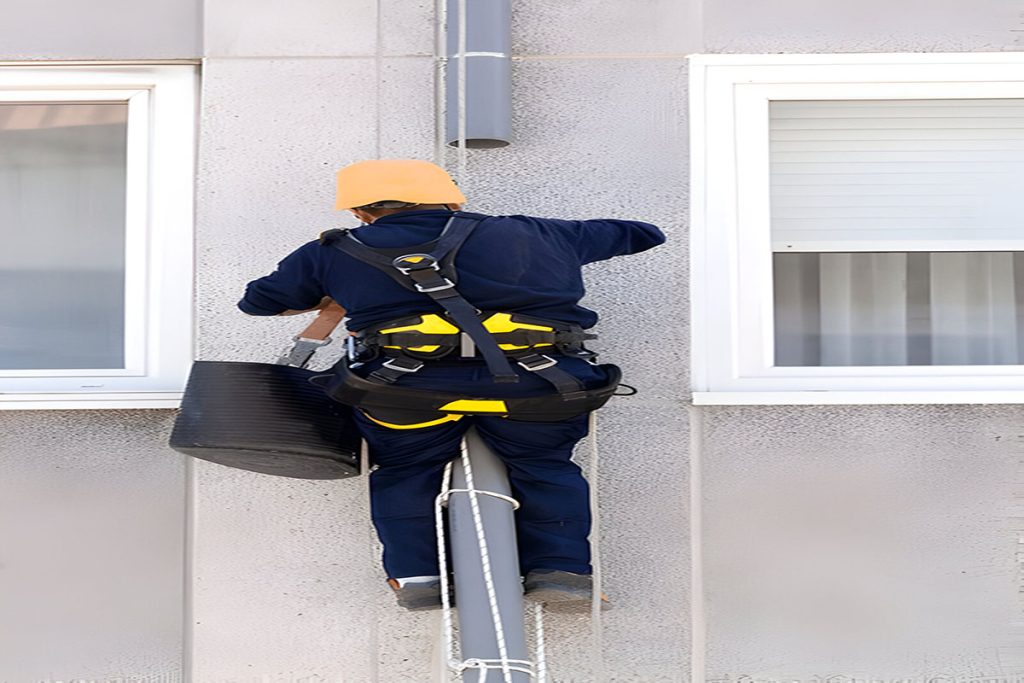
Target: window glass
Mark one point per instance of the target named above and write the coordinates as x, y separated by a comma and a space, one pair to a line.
62, 221
892, 228
899, 308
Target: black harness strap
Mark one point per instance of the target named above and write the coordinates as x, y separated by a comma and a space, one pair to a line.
346, 387
424, 272
569, 387
383, 258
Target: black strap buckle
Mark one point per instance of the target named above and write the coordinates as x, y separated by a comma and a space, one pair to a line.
301, 352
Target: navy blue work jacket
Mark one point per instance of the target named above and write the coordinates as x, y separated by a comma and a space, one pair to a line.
509, 263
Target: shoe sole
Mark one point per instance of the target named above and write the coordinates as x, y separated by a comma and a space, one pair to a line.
558, 600
419, 599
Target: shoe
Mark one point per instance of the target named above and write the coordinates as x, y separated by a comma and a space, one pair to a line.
562, 591
417, 596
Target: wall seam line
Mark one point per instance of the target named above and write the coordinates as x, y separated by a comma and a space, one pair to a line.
698, 622
664, 56
601, 56
378, 60
374, 56
188, 579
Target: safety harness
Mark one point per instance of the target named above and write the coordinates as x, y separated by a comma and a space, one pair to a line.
410, 343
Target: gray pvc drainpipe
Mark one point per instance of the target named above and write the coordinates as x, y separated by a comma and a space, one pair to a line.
478, 106
488, 74
477, 634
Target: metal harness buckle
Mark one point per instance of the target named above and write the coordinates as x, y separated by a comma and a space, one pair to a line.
448, 284
394, 364
538, 362
417, 262
301, 351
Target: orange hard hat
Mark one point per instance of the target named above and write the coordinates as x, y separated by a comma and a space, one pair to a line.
398, 180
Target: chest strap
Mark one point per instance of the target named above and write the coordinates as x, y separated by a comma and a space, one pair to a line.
422, 271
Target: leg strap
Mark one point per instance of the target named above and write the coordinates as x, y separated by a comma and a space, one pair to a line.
546, 367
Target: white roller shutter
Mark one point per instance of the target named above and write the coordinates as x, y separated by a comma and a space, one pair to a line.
897, 175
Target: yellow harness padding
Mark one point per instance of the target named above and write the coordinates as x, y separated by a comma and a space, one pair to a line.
417, 425
430, 323
498, 323
476, 406
502, 322
467, 405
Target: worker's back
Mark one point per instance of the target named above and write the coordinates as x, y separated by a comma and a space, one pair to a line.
510, 263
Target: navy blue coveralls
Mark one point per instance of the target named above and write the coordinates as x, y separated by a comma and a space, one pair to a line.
514, 264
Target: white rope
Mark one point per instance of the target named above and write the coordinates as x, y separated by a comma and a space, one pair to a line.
537, 672
500, 496
538, 630
524, 666
371, 550
596, 628
442, 557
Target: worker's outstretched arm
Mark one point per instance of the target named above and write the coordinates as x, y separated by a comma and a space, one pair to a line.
604, 238
295, 287
324, 303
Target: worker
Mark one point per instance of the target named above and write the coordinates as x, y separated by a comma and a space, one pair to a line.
525, 273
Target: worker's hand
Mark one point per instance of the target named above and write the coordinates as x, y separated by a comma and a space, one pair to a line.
325, 303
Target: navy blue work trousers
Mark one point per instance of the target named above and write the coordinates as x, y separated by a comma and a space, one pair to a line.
553, 521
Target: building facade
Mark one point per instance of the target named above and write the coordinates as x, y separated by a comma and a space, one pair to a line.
765, 542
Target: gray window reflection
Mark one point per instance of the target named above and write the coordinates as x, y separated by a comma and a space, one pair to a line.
62, 226
899, 308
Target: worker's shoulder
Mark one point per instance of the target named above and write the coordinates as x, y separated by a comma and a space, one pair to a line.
525, 221
564, 226
329, 236
522, 218
563, 222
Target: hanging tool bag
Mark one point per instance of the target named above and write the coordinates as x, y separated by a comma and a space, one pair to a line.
269, 418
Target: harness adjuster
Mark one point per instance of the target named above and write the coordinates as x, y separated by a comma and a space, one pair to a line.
410, 262
448, 284
536, 362
401, 364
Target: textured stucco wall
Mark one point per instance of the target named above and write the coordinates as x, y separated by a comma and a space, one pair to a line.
863, 541
874, 542
773, 26
92, 513
101, 29
287, 582
92, 504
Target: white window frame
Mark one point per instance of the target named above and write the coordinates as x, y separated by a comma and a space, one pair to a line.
731, 250
162, 113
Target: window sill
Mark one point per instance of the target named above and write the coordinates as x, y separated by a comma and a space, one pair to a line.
69, 401
793, 398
